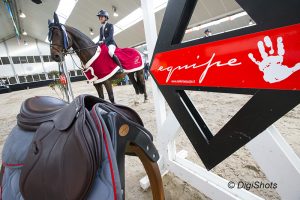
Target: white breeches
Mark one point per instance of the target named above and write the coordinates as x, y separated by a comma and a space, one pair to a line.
111, 50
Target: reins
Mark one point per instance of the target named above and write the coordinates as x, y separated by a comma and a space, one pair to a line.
66, 51
78, 50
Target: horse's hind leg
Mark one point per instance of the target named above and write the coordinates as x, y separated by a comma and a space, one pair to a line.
109, 90
99, 89
145, 93
142, 84
134, 82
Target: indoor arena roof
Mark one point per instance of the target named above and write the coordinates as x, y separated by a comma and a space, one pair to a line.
83, 17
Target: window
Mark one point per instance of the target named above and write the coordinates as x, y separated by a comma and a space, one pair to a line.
5, 60
43, 77
29, 78
79, 73
12, 80
72, 73
46, 58
4, 80
30, 59
36, 77
37, 59
52, 76
23, 59
22, 79
51, 60
16, 59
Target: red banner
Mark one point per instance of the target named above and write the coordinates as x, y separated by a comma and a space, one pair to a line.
263, 60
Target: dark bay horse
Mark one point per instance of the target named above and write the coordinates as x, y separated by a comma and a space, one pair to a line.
62, 38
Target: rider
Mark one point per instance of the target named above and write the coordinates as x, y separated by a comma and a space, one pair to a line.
107, 36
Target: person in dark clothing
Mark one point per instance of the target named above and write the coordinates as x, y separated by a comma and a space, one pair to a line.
107, 37
146, 70
207, 33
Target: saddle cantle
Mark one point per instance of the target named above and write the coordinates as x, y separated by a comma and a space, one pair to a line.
64, 154
36, 110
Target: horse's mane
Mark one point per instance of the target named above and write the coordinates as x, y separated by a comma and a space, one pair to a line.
79, 34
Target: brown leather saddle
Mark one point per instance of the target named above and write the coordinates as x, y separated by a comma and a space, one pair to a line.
65, 153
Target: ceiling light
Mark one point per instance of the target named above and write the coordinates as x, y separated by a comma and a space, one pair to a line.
159, 4
216, 22
22, 15
24, 33
37, 1
25, 43
131, 19
91, 31
64, 9
114, 8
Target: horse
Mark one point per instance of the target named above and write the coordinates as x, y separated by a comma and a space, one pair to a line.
62, 38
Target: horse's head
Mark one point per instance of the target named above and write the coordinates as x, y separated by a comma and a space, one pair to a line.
59, 39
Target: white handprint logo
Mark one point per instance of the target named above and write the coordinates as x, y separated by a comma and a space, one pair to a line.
271, 65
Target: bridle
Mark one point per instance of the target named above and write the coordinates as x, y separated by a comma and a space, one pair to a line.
65, 41
66, 44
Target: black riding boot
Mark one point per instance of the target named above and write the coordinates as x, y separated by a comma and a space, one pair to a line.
116, 59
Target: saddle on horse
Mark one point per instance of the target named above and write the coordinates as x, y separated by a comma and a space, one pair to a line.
74, 151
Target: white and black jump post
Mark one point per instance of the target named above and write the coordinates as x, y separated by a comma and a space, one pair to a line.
274, 86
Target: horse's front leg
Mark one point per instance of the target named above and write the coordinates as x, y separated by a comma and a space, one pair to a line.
109, 90
99, 89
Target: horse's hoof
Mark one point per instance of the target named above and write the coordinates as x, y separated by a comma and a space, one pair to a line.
146, 100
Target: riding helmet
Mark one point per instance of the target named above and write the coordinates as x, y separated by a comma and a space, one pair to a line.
103, 13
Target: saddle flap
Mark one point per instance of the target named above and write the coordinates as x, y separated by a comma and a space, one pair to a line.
64, 156
65, 117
